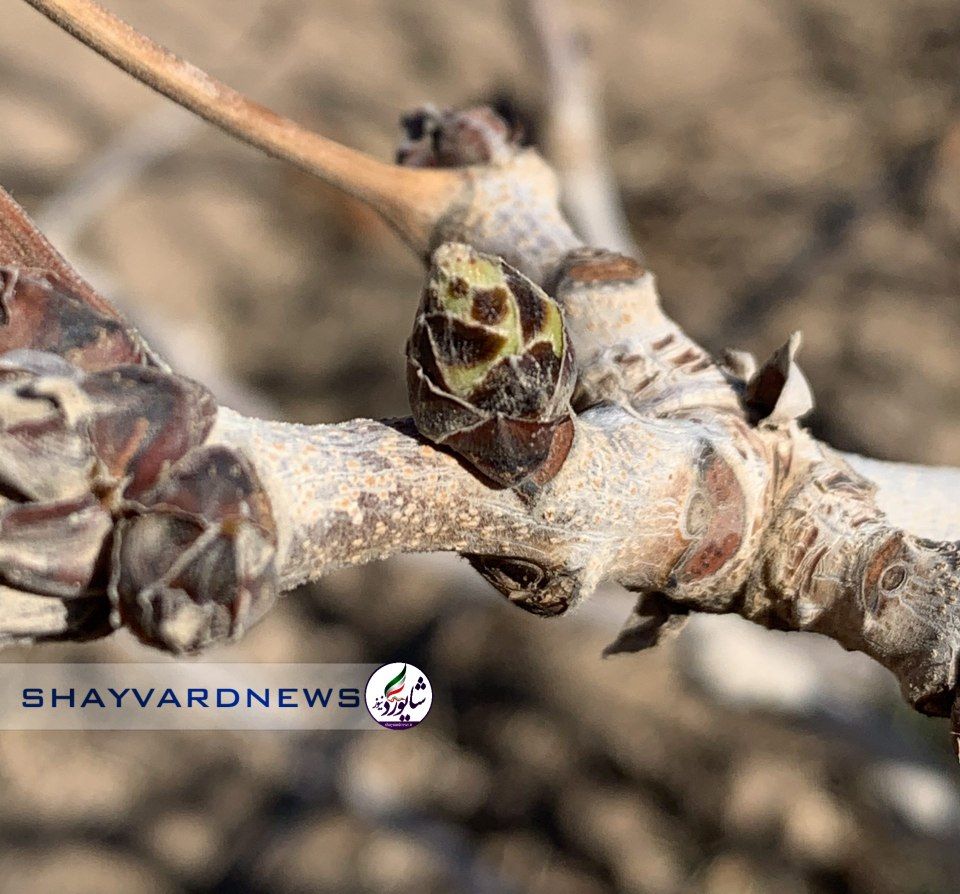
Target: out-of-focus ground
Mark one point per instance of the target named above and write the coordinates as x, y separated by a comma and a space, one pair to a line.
786, 164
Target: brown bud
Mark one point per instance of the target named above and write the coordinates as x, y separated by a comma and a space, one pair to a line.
490, 368
106, 487
72, 444
195, 565
542, 591
453, 138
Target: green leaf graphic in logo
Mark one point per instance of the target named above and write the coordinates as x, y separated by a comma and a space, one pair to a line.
395, 686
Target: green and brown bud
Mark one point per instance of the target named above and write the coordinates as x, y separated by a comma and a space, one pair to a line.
490, 369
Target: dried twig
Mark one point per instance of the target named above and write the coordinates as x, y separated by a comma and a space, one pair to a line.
574, 141
410, 200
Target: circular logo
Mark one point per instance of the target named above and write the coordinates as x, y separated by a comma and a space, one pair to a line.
398, 695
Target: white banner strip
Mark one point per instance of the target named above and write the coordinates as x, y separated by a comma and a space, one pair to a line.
190, 695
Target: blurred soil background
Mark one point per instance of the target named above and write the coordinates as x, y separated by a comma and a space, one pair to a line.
791, 164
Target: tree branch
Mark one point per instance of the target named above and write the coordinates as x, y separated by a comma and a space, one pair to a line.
924, 500
688, 481
347, 494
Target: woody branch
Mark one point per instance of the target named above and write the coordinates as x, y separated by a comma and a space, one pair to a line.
689, 480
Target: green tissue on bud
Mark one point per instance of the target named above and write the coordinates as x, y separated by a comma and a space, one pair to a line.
490, 369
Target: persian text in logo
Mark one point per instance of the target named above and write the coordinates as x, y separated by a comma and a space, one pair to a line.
398, 695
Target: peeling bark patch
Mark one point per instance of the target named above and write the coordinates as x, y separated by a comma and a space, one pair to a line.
664, 342
593, 267
715, 519
848, 482
607, 267
687, 356
813, 565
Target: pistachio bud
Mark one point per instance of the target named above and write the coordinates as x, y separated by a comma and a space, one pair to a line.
490, 368
110, 496
456, 138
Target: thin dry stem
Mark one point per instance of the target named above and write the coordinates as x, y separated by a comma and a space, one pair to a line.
575, 143
411, 200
